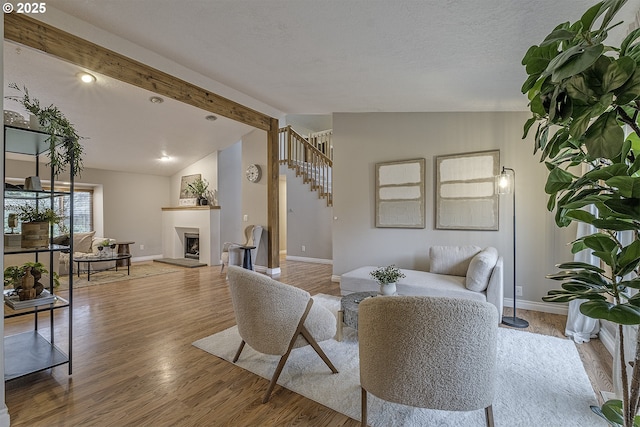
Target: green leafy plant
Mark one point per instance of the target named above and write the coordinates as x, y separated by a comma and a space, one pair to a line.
31, 213
64, 142
13, 274
583, 94
199, 187
386, 275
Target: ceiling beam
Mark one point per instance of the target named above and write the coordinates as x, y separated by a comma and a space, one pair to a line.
25, 30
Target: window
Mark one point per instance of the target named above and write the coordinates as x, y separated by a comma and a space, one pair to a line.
82, 211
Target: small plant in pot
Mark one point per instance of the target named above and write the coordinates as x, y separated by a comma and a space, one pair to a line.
387, 278
14, 275
200, 189
36, 222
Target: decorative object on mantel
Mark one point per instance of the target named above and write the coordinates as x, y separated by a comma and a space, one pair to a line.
185, 181
584, 104
387, 278
64, 141
465, 193
400, 194
200, 189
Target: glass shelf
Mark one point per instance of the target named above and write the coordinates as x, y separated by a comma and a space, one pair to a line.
25, 141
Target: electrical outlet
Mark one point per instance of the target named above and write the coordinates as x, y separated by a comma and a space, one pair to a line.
245, 218
142, 247
304, 248
518, 291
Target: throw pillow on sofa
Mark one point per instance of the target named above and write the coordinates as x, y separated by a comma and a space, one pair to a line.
82, 241
451, 260
480, 269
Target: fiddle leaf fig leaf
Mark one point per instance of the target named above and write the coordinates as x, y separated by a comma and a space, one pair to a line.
618, 73
572, 62
612, 411
579, 90
558, 180
558, 35
629, 208
623, 314
605, 137
630, 90
626, 186
631, 37
581, 215
600, 242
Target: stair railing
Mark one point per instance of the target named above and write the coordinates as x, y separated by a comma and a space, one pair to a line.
307, 161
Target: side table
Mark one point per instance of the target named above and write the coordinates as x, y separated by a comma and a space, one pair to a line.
348, 313
123, 249
246, 260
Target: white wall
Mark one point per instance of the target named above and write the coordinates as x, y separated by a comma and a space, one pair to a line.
309, 221
229, 193
362, 140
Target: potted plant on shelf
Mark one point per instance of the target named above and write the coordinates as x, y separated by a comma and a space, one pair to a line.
387, 277
35, 224
583, 94
200, 189
14, 275
65, 149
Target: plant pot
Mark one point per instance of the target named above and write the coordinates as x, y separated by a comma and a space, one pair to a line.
34, 235
388, 289
202, 201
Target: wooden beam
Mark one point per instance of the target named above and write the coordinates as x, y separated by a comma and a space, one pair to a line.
273, 201
25, 30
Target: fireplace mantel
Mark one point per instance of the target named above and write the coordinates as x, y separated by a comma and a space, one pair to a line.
204, 220
189, 208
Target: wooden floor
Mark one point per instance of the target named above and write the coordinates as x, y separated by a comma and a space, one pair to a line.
134, 364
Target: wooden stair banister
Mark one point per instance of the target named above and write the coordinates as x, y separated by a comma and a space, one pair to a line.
309, 162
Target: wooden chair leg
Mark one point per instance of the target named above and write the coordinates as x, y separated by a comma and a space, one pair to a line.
275, 377
363, 416
488, 413
235, 359
312, 341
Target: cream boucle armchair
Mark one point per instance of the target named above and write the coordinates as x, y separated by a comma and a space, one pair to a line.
274, 318
428, 352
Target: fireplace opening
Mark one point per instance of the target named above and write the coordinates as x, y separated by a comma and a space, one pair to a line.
192, 245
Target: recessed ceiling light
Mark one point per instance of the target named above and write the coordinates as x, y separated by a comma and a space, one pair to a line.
86, 77
156, 100
211, 118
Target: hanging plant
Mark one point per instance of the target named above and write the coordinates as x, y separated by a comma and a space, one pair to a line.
65, 149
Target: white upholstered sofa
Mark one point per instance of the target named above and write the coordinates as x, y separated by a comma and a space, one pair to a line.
455, 271
85, 244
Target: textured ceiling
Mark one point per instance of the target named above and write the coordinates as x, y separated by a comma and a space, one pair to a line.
324, 56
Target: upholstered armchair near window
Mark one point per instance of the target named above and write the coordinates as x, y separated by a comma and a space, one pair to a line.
232, 254
428, 352
275, 318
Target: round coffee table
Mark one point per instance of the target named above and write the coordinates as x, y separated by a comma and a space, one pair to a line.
348, 314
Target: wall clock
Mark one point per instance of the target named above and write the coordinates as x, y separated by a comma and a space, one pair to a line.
254, 172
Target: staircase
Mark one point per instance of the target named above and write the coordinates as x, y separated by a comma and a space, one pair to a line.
311, 158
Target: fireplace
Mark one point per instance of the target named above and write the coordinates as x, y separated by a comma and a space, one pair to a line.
192, 245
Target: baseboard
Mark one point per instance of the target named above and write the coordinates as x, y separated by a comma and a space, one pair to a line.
5, 419
273, 272
146, 258
608, 340
311, 260
545, 307
335, 278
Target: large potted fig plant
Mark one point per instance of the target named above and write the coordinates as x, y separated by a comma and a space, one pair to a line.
585, 100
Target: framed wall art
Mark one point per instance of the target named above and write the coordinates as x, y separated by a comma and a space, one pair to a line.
184, 185
400, 195
465, 191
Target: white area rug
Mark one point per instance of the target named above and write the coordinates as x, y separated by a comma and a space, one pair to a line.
541, 380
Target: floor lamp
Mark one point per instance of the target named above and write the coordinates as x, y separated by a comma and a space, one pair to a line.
506, 184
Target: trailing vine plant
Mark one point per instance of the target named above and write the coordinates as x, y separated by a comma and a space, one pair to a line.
65, 149
583, 96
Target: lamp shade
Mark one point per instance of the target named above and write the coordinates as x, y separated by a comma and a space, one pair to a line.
504, 182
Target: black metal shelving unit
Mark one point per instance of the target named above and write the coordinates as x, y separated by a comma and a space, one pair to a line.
35, 351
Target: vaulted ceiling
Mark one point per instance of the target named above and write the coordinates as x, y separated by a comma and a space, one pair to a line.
296, 56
